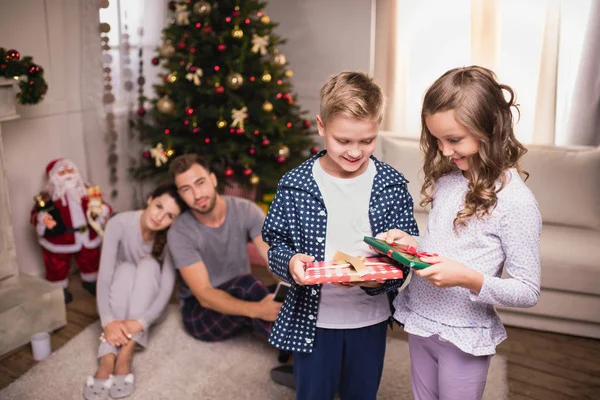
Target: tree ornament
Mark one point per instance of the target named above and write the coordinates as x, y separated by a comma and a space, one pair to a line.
265, 19
172, 5
194, 75
221, 123
155, 61
202, 8
189, 110
259, 44
267, 106
221, 47
219, 90
314, 150
181, 45
141, 111
280, 159
277, 60
254, 179
265, 142
238, 117
252, 151
237, 33
283, 151
167, 50
165, 105
182, 14
33, 70
12, 55
172, 77
234, 80
247, 172
236, 11
289, 73
229, 172
159, 154
306, 124
266, 77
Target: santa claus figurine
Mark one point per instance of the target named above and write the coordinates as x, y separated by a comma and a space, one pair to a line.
69, 216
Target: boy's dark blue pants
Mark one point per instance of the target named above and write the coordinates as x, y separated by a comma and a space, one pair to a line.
346, 360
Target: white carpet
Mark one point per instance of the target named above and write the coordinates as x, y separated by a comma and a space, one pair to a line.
179, 367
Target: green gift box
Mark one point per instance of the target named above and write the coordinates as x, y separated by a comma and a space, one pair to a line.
405, 255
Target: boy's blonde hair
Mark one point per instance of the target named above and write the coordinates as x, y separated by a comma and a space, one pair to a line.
353, 95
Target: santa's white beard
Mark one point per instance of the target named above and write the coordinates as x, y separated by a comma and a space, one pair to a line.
70, 185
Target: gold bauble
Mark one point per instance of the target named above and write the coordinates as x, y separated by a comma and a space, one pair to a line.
202, 8
283, 151
170, 152
277, 60
172, 77
167, 49
234, 80
289, 73
266, 77
265, 19
267, 106
254, 179
165, 105
237, 33
221, 123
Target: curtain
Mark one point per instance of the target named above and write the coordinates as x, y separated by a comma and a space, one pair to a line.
533, 46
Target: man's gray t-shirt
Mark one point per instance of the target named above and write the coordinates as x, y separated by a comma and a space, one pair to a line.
222, 249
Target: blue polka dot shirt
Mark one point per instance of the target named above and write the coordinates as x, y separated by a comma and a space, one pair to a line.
296, 223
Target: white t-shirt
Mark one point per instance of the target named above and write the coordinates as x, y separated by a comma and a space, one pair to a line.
347, 204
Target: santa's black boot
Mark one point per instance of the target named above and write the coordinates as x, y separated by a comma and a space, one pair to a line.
68, 296
90, 287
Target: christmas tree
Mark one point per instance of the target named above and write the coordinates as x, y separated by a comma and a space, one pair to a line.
225, 94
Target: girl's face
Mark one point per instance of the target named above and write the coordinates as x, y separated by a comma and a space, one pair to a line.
453, 138
161, 212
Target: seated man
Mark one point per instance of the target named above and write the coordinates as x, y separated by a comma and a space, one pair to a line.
220, 297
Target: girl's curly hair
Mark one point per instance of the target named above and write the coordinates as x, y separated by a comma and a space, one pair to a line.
480, 105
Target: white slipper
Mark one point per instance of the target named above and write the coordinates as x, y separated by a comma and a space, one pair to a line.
97, 389
123, 386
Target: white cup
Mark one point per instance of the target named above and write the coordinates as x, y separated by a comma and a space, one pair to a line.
40, 345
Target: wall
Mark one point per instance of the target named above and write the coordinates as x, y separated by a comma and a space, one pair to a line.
324, 38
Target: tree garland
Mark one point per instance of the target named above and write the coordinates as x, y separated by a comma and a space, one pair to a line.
31, 76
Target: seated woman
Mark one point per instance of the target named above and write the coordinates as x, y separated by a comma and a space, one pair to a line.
135, 282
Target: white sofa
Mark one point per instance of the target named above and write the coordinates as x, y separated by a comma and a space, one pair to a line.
566, 184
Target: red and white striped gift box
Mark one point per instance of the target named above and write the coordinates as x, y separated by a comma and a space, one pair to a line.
378, 269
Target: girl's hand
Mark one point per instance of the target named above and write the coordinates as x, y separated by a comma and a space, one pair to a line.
446, 272
116, 333
398, 236
133, 326
298, 265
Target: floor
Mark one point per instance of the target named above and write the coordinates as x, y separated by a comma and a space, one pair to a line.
541, 365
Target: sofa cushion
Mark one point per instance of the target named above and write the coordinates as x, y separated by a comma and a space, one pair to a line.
570, 257
566, 184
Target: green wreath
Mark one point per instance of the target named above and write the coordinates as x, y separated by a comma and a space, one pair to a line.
34, 87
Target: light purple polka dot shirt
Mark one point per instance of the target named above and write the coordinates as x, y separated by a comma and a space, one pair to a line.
509, 237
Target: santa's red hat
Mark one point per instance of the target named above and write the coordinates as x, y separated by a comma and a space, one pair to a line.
55, 165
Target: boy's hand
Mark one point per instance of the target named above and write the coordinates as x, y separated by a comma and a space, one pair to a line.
399, 237
268, 308
298, 265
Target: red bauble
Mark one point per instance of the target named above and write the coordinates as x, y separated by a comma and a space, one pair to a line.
3, 66
155, 61
236, 13
256, 132
192, 69
221, 47
167, 131
280, 159
252, 79
314, 150
189, 110
172, 5
207, 29
306, 124
216, 68
192, 49
252, 151
247, 21
186, 122
207, 140
146, 154
232, 130
227, 19
247, 172
229, 172
141, 111
239, 131
289, 124
165, 79
219, 90
265, 142
33, 70
195, 130
181, 45
13, 55
198, 25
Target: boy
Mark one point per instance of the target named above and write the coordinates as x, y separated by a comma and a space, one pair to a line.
329, 203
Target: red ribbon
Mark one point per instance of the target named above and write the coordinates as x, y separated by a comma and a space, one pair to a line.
412, 250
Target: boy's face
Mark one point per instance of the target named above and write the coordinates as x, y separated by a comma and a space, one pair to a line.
349, 143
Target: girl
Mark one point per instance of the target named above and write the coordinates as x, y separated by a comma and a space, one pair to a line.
482, 218
135, 282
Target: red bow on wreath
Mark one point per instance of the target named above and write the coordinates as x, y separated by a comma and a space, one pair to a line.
412, 250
